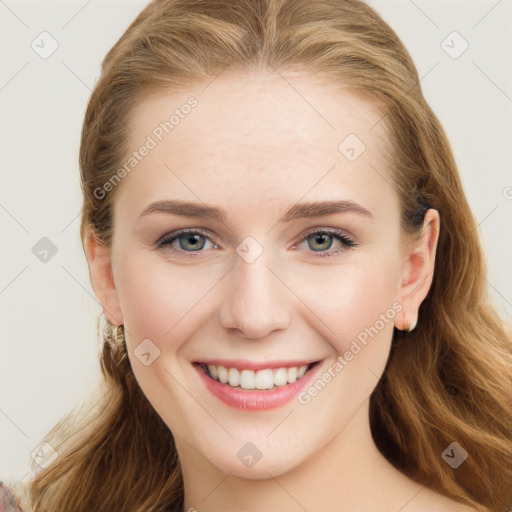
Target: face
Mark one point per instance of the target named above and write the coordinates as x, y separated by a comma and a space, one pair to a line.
271, 256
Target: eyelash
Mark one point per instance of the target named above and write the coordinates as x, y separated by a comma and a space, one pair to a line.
169, 238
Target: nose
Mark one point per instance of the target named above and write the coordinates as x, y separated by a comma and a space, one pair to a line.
256, 300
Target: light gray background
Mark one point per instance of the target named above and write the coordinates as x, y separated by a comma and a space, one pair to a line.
48, 356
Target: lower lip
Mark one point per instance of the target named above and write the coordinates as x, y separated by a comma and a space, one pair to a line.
255, 400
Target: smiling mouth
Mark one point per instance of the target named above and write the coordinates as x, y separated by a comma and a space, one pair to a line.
264, 379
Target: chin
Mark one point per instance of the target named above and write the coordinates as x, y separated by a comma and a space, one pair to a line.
256, 460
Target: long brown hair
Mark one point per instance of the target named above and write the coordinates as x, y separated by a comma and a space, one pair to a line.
447, 381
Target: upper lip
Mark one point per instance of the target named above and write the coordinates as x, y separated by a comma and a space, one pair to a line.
241, 364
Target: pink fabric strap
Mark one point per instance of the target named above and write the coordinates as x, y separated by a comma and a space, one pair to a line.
7, 501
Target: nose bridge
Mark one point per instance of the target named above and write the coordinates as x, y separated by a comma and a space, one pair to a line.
254, 302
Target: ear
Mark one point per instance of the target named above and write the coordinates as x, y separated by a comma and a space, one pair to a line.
102, 279
418, 271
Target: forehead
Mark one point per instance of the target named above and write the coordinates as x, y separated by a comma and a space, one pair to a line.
262, 134
254, 106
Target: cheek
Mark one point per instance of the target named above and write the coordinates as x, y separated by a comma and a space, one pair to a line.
357, 304
159, 298
161, 302
353, 301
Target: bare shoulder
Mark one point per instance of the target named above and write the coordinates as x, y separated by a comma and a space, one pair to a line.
428, 500
412, 496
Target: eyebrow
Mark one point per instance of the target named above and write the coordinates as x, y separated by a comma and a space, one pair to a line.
297, 211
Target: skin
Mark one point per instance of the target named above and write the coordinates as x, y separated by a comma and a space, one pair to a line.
255, 146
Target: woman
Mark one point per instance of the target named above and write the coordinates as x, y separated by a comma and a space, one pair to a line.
332, 350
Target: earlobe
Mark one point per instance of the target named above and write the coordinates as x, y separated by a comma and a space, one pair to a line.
102, 279
418, 272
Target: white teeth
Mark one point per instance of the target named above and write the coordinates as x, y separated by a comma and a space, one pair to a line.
280, 377
222, 374
291, 375
261, 379
234, 377
247, 379
264, 379
213, 370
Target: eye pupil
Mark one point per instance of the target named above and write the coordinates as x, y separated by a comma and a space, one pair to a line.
193, 240
321, 238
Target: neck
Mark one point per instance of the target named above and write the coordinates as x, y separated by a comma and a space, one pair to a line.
347, 472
